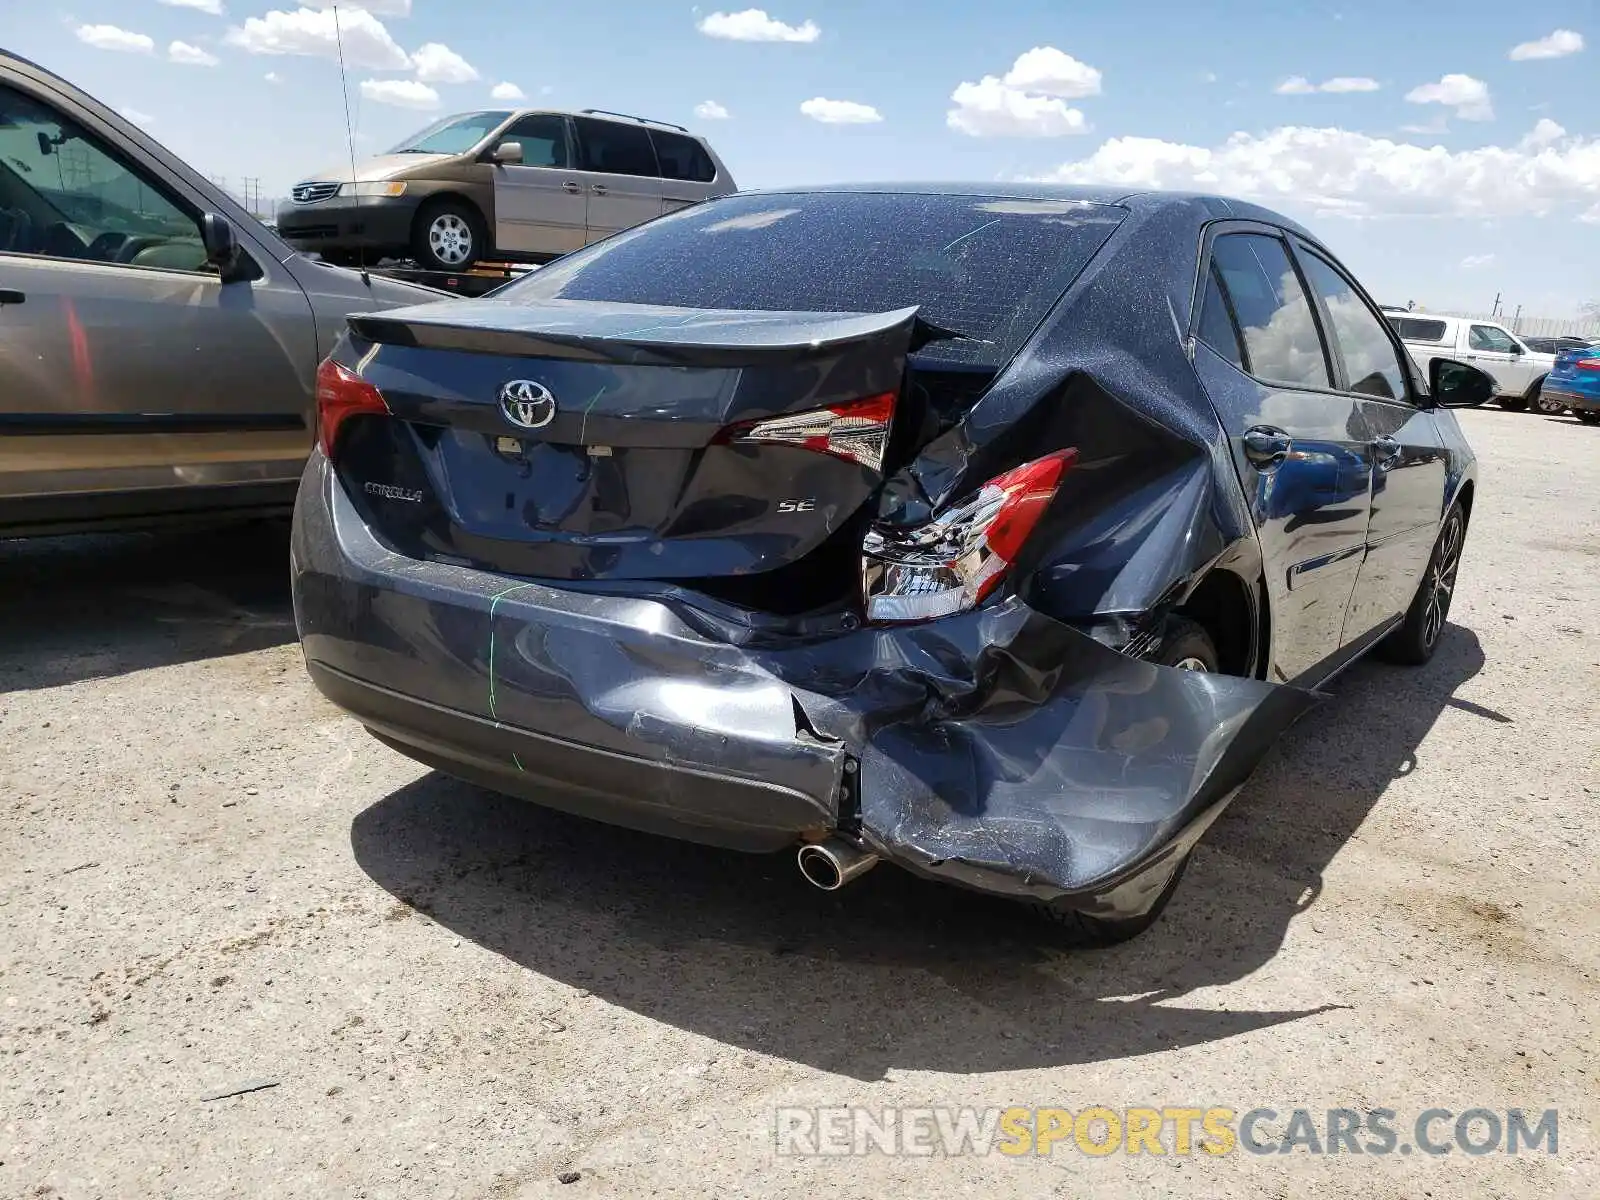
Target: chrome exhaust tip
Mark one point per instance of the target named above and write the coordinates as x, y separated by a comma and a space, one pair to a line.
831, 864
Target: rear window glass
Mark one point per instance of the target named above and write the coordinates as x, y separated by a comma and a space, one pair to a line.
615, 149
986, 268
682, 157
1413, 329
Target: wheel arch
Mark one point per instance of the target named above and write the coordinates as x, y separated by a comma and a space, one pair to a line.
1234, 613
457, 195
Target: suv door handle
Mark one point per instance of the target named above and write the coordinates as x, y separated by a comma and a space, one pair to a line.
599, 189
1266, 446
569, 186
11, 296
1390, 452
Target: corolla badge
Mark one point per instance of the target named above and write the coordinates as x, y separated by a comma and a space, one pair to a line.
526, 404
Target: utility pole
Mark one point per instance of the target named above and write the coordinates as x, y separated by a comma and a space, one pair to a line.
1515, 317
252, 195
1495, 311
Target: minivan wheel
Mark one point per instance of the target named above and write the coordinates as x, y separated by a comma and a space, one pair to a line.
449, 236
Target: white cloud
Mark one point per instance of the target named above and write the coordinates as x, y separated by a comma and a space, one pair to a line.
273, 77
214, 7
1349, 83
309, 31
507, 93
753, 25
1558, 45
840, 112
402, 93
1339, 172
1468, 96
710, 110
1473, 261
191, 56
1029, 100
381, 8
1544, 133
1299, 85
1209, 77
437, 63
137, 117
1051, 72
109, 37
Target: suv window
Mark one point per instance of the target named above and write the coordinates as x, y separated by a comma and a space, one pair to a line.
986, 269
65, 194
1415, 329
682, 157
1491, 337
1371, 364
543, 139
1280, 335
615, 148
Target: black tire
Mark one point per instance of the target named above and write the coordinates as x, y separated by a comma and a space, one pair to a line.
450, 235
1543, 404
1080, 930
1588, 418
1514, 403
1185, 643
1418, 637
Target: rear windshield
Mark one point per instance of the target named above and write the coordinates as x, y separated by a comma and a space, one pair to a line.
1414, 329
986, 268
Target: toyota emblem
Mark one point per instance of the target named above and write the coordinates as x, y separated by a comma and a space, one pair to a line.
527, 405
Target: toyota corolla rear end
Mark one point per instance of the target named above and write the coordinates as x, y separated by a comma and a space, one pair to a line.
629, 542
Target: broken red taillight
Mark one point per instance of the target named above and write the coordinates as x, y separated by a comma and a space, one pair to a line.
342, 394
857, 431
953, 562
1587, 364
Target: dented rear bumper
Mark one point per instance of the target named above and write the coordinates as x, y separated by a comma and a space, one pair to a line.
1000, 750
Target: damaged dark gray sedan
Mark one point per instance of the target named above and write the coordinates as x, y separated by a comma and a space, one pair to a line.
991, 531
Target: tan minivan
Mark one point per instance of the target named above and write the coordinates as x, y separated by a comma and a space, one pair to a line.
525, 185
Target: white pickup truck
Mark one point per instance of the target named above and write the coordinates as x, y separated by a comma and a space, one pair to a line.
1517, 371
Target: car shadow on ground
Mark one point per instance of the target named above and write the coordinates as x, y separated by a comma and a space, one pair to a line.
895, 972
101, 605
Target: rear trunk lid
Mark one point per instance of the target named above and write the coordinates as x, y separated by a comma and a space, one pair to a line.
1566, 373
570, 439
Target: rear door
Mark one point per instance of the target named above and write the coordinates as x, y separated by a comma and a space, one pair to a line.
541, 206
1493, 350
1408, 456
619, 173
1300, 444
687, 172
128, 369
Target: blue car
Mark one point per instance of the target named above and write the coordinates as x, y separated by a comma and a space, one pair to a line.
1575, 382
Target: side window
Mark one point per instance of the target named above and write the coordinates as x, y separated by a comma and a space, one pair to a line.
1280, 334
1217, 329
543, 139
65, 194
1371, 363
682, 157
1414, 329
1488, 337
615, 148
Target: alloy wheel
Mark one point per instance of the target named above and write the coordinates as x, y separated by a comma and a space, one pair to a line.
1191, 664
1442, 580
450, 238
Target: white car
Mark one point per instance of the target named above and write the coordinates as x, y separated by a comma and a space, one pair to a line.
1518, 372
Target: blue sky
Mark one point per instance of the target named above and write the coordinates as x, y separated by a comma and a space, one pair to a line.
1447, 154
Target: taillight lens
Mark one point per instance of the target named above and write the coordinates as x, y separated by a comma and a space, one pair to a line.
953, 562
857, 432
341, 394
1588, 364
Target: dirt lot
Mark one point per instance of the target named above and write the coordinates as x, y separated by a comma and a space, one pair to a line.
210, 879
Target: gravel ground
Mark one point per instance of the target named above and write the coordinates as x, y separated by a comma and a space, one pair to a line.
212, 879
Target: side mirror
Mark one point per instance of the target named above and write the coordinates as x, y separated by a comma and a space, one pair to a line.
222, 246
1456, 385
507, 154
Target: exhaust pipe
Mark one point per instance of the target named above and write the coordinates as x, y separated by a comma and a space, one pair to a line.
831, 864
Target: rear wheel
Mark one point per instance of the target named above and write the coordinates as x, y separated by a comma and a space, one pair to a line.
450, 236
1545, 404
1514, 403
1588, 418
1418, 636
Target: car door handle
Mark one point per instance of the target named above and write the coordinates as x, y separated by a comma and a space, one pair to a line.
1389, 453
1266, 446
569, 186
12, 296
599, 189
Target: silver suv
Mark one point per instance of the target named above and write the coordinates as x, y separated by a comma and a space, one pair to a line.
524, 185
